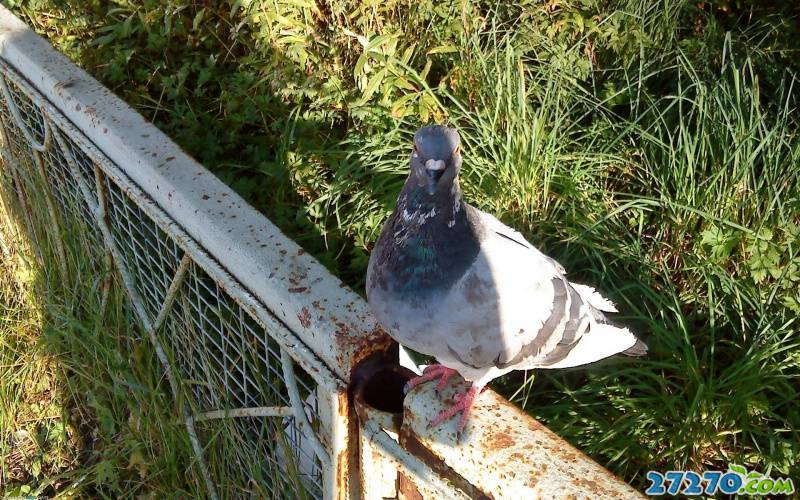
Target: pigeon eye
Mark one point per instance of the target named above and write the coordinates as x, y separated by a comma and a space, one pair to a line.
457, 150
416, 149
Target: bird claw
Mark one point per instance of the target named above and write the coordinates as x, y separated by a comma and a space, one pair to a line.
462, 401
463, 404
431, 372
443, 381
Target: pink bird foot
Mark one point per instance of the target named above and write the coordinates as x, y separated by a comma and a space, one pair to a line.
432, 372
463, 404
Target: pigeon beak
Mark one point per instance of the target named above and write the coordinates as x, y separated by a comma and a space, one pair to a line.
435, 169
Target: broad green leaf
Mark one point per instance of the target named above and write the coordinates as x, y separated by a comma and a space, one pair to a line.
198, 18
408, 53
360, 66
399, 107
373, 84
378, 41
425, 70
404, 84
361, 39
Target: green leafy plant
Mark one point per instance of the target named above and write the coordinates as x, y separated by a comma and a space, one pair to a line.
652, 147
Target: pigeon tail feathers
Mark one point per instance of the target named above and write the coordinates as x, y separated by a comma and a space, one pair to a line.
593, 298
638, 349
601, 341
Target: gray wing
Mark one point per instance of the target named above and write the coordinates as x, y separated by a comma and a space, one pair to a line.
570, 313
569, 320
513, 235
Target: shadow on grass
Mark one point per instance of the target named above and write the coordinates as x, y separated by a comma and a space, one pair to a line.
119, 431
119, 425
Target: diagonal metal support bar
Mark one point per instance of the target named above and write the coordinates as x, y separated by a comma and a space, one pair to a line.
41, 147
172, 291
136, 301
299, 413
409, 463
139, 308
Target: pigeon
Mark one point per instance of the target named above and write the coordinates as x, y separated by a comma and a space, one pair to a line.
450, 281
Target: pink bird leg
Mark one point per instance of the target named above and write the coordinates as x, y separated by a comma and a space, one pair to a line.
432, 372
463, 401
463, 405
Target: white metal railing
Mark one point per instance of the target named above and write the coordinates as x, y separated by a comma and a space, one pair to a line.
268, 350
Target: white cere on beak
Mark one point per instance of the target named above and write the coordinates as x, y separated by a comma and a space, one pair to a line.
435, 165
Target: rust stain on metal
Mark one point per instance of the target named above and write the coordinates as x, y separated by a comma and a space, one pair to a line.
410, 442
569, 456
342, 474
304, 317
295, 277
341, 329
361, 346
407, 489
500, 441
534, 478
594, 487
518, 453
343, 457
347, 469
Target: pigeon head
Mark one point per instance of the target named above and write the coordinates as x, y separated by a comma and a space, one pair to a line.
436, 159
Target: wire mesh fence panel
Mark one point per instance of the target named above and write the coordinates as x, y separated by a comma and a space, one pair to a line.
16, 146
258, 459
252, 424
70, 151
28, 113
63, 184
151, 257
227, 360
26, 124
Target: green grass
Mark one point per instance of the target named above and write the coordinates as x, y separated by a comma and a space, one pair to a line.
84, 409
85, 406
652, 147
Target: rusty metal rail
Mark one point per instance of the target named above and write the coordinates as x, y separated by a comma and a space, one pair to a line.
269, 352
503, 453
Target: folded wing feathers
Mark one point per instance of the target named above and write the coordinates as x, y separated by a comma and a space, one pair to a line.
588, 338
600, 342
593, 298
